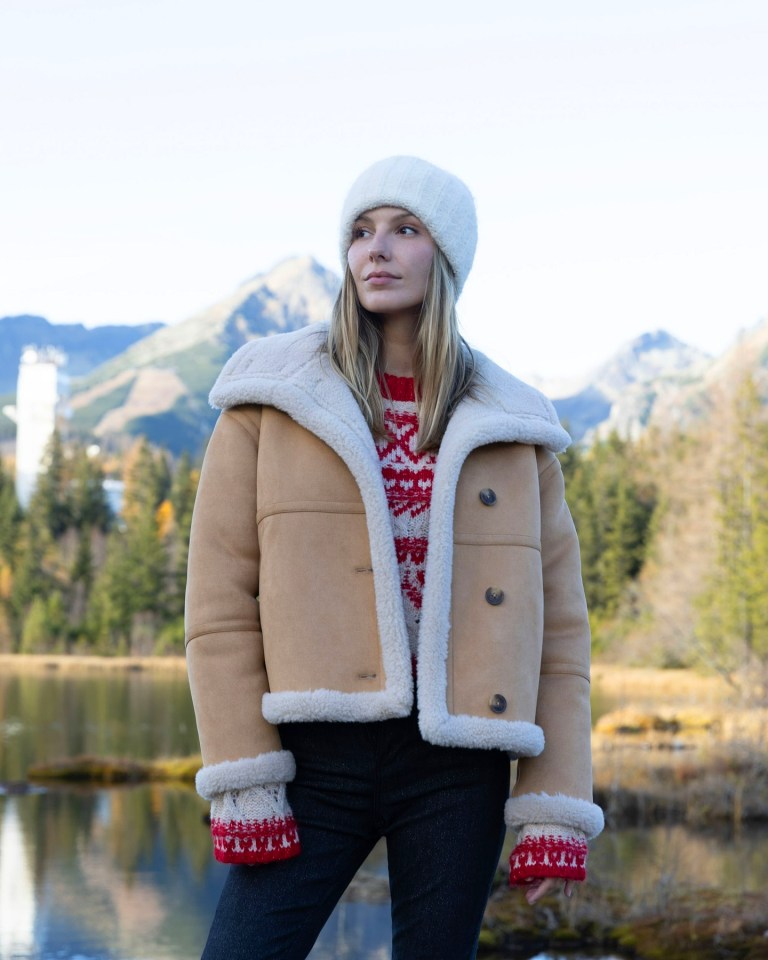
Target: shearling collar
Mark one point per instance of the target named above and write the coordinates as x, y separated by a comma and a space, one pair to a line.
290, 372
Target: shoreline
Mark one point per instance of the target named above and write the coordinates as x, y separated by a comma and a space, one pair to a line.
70, 662
612, 679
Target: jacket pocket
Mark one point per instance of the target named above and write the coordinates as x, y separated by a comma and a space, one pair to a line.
317, 603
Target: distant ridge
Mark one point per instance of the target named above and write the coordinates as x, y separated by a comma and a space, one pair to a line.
154, 380
622, 393
85, 347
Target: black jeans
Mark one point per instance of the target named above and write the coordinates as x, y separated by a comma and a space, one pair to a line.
440, 809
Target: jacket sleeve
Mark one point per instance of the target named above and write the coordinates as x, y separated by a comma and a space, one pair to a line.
244, 767
555, 788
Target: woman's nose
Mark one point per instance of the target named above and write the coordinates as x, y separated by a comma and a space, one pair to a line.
378, 249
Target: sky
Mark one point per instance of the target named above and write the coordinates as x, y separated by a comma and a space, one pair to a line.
156, 153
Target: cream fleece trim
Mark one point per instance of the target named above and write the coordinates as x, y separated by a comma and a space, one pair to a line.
290, 372
295, 707
277, 766
543, 808
528, 418
519, 738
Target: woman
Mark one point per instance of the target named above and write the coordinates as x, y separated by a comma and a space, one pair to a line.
384, 604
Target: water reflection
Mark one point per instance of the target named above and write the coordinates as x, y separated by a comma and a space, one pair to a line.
127, 873
56, 714
648, 863
116, 873
17, 892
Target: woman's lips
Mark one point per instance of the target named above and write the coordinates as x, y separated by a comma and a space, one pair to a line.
380, 279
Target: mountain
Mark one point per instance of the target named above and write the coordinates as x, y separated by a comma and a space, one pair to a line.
154, 380
625, 393
159, 386
699, 398
85, 348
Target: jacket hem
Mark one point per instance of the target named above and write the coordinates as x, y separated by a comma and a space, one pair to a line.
573, 812
519, 737
298, 707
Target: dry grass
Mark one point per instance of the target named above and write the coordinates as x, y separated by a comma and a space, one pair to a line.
646, 685
73, 663
681, 721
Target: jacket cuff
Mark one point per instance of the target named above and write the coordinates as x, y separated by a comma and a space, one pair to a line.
254, 825
570, 813
278, 766
548, 850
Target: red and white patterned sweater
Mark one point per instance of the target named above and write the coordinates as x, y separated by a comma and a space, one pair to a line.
542, 850
408, 483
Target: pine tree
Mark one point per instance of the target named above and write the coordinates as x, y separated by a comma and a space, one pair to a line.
10, 528
89, 507
51, 500
612, 511
182, 498
130, 597
147, 480
34, 634
10, 516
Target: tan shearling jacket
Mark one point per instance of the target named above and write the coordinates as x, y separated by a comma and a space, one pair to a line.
294, 610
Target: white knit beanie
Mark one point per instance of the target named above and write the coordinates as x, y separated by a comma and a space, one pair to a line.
439, 199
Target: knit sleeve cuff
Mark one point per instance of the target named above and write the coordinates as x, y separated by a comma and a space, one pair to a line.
548, 850
255, 825
277, 766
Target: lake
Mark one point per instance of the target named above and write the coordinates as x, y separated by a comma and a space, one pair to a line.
126, 873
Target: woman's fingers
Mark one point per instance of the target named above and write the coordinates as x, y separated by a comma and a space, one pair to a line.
540, 888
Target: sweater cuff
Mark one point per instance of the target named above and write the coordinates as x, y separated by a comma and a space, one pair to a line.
255, 825
548, 850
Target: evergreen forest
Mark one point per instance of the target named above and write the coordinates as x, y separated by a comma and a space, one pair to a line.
673, 530
75, 578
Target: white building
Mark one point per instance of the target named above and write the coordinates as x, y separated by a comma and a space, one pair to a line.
38, 395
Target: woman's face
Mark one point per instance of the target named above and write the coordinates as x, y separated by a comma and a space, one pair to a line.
390, 258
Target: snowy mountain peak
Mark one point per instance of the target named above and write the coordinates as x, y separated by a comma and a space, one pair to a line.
646, 358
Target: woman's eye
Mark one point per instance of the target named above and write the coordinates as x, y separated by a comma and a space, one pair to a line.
358, 232
408, 230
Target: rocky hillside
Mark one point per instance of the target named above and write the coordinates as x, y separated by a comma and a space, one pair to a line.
624, 392
159, 386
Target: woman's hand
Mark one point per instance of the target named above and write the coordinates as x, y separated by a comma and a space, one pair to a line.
537, 889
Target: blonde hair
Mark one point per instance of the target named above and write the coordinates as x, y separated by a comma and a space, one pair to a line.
444, 367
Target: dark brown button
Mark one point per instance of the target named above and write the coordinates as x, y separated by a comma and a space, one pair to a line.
497, 703
488, 497
494, 596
